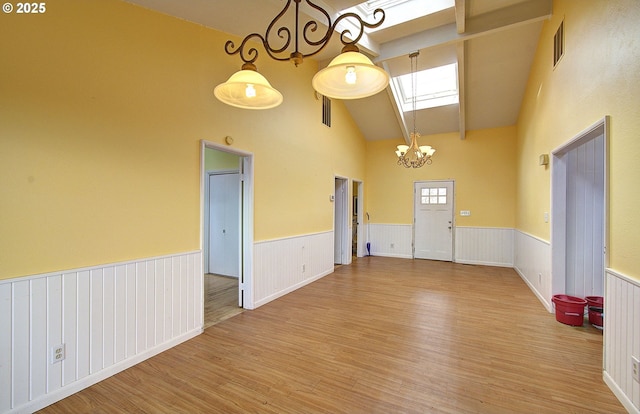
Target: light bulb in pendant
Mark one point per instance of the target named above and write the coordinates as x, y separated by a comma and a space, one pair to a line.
250, 91
351, 76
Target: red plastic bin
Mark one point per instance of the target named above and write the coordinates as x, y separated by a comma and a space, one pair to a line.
569, 309
596, 310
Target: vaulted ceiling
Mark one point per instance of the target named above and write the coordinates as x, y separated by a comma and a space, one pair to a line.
492, 41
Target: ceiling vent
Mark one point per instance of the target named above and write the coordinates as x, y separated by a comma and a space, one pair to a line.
558, 44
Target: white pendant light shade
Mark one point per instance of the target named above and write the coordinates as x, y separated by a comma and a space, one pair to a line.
247, 89
350, 75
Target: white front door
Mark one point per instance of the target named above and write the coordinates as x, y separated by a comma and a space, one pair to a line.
224, 224
433, 220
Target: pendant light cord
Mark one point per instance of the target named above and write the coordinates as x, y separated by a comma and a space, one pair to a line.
414, 86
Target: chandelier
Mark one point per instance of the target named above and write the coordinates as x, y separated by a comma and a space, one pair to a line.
351, 75
413, 156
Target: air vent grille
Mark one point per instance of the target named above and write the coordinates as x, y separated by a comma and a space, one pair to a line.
326, 111
558, 44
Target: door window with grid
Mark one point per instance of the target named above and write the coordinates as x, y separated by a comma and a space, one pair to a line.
433, 195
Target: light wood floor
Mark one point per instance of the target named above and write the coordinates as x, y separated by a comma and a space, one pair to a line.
220, 299
383, 335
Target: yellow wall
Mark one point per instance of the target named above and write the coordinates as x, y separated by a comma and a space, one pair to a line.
599, 75
483, 167
102, 108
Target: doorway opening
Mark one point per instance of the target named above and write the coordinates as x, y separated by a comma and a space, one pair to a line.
357, 231
342, 216
578, 213
226, 231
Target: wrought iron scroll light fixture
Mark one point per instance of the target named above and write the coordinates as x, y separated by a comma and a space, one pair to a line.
413, 156
351, 75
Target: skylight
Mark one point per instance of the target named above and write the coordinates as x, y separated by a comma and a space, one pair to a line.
400, 11
435, 87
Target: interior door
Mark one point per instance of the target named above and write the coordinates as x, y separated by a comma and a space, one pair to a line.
433, 220
340, 227
224, 224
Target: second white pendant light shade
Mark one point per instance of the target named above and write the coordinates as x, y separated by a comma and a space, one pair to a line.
350, 75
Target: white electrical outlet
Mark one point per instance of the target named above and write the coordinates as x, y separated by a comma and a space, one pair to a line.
635, 368
57, 353
465, 213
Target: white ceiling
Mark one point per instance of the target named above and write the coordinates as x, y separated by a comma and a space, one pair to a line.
493, 42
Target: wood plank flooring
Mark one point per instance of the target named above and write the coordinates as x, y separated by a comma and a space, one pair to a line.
383, 335
220, 299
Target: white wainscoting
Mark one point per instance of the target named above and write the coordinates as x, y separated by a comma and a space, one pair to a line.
622, 337
284, 265
391, 240
484, 246
532, 261
473, 245
108, 317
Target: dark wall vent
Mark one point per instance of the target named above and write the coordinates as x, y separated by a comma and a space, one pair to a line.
326, 111
558, 44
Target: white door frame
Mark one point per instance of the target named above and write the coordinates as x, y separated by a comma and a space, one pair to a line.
558, 202
245, 281
341, 219
359, 218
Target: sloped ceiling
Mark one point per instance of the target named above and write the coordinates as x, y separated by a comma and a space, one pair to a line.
492, 41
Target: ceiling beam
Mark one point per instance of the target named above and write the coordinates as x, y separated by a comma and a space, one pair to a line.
488, 23
461, 27
462, 117
394, 95
461, 15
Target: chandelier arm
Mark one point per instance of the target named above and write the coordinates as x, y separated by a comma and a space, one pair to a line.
312, 26
363, 24
248, 56
283, 33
